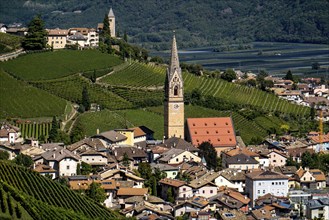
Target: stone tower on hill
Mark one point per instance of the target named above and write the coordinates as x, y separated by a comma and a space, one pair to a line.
174, 97
111, 22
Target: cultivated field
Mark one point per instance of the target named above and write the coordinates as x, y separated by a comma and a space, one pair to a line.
57, 64
20, 100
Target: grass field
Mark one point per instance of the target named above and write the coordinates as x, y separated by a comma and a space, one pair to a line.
108, 120
57, 64
20, 100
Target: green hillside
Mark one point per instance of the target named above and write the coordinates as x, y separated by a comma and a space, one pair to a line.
42, 198
216, 87
198, 23
20, 100
9, 43
57, 64
70, 88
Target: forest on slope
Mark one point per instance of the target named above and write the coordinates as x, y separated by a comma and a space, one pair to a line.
197, 23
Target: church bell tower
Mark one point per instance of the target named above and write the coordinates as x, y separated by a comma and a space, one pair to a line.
174, 97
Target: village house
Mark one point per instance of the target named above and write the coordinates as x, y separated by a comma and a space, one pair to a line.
259, 183
86, 144
180, 189
242, 162
61, 160
10, 134
133, 155
94, 158
170, 171
204, 187
45, 170
84, 37
217, 131
178, 156
123, 177
277, 158
194, 204
110, 138
310, 179
125, 193
56, 38
231, 178
317, 209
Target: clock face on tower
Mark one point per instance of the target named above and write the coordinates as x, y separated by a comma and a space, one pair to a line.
176, 106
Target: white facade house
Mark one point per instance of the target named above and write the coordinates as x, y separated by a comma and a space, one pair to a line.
178, 156
277, 158
94, 158
61, 160
259, 183
10, 133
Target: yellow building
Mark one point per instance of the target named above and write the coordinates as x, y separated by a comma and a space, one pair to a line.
129, 133
57, 38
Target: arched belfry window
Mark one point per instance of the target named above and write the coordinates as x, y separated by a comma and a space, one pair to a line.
176, 90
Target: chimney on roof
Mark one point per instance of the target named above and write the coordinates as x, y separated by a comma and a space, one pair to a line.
54, 155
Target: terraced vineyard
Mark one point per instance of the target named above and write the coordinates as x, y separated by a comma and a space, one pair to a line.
137, 75
20, 100
43, 198
34, 130
242, 95
70, 88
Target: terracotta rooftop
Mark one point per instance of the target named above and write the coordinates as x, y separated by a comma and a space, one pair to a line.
172, 182
84, 184
218, 131
57, 32
42, 168
298, 152
318, 175
316, 139
138, 132
132, 191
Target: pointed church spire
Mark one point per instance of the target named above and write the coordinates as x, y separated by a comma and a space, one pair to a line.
111, 14
174, 61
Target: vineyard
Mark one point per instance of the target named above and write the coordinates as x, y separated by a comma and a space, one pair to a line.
21, 100
143, 76
34, 129
137, 75
70, 88
58, 64
242, 95
43, 198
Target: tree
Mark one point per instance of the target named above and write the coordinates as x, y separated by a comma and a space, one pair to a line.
125, 36
261, 76
289, 76
229, 75
170, 195
106, 26
145, 170
125, 160
307, 160
84, 168
285, 128
35, 38
96, 192
208, 151
312, 111
77, 133
23, 160
4, 155
53, 133
85, 98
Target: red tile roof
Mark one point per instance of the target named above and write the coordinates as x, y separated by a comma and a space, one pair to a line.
218, 131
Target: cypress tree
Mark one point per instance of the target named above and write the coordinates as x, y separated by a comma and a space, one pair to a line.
85, 99
53, 133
